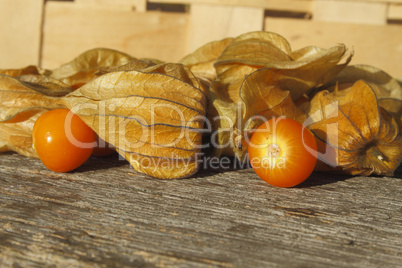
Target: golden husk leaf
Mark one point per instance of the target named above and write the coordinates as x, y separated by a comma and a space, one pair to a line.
21, 99
302, 69
384, 85
156, 113
30, 69
260, 98
201, 61
17, 137
354, 133
132, 65
81, 69
393, 107
154, 117
260, 73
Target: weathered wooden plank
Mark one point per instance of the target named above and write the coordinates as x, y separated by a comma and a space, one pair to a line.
367, 1
20, 32
107, 215
395, 12
260, 3
285, 5
214, 22
375, 45
138, 5
71, 29
350, 12
290, 5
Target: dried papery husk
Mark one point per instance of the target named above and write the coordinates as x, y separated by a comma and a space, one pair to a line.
17, 137
307, 67
390, 104
355, 135
384, 85
30, 69
386, 88
183, 73
21, 99
153, 117
201, 61
222, 117
260, 98
45, 84
263, 93
394, 108
81, 69
132, 65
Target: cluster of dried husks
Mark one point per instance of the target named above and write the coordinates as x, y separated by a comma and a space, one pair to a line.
159, 115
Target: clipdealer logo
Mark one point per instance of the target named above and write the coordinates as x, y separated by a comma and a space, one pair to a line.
144, 128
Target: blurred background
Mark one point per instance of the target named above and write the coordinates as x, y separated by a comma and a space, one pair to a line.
50, 33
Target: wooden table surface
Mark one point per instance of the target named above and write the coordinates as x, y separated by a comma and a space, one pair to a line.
105, 214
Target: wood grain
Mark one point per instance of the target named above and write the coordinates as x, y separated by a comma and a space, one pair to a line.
290, 5
51, 33
209, 23
71, 29
137, 5
395, 12
375, 45
20, 32
350, 12
107, 215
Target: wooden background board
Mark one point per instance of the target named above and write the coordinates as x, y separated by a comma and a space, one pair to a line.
20, 32
376, 45
350, 12
107, 215
215, 22
71, 29
137, 5
50, 33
